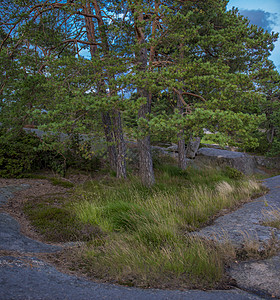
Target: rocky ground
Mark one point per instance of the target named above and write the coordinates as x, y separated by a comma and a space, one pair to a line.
245, 228
25, 275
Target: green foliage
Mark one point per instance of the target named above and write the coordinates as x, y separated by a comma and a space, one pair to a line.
18, 153
57, 223
233, 173
22, 153
63, 183
275, 148
145, 244
212, 58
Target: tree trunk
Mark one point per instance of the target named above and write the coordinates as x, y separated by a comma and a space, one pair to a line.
146, 169
193, 146
111, 149
182, 160
120, 145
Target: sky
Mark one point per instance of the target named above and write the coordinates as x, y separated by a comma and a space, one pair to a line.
264, 13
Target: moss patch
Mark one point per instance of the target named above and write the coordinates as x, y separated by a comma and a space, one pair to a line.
56, 222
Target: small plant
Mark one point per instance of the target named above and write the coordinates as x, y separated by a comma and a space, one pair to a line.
272, 217
252, 248
57, 223
17, 153
22, 153
233, 173
60, 182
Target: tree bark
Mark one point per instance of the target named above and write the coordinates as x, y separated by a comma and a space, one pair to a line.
193, 146
182, 160
120, 145
146, 170
111, 149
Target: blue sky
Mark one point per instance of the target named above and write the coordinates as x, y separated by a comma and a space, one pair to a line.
264, 13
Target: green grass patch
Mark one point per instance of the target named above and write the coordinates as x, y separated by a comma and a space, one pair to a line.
147, 242
35, 176
139, 236
56, 222
177, 262
207, 140
60, 182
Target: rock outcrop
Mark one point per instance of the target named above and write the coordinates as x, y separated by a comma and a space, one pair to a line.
247, 164
240, 161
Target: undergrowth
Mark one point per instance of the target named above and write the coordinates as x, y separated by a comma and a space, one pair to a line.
146, 242
51, 218
138, 236
272, 217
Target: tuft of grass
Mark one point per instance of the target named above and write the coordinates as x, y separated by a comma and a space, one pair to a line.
180, 261
60, 182
57, 223
272, 217
254, 249
146, 243
129, 204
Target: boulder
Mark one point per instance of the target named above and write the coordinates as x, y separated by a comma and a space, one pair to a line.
238, 160
192, 147
261, 277
268, 162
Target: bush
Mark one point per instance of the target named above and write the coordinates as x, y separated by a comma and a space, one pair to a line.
22, 153
17, 153
275, 148
233, 173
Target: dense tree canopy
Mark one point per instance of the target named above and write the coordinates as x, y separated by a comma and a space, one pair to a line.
153, 69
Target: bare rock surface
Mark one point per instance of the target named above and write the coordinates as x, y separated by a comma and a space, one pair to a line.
13, 240
256, 276
30, 278
238, 160
248, 164
192, 147
246, 223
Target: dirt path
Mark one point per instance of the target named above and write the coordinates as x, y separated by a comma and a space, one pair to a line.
24, 275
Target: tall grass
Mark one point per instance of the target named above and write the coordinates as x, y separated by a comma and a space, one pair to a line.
146, 242
272, 217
